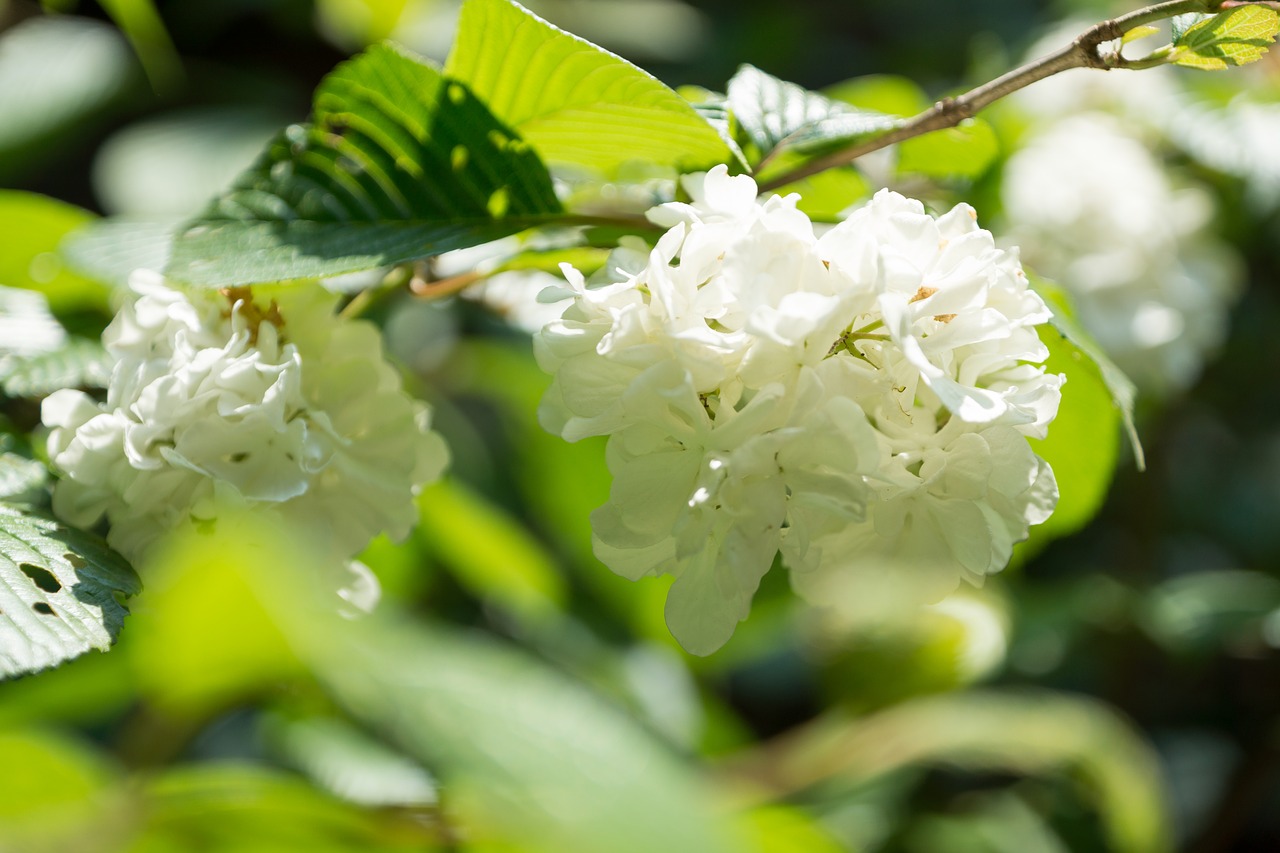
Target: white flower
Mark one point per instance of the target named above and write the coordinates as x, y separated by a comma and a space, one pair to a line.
216, 399
767, 392
1092, 209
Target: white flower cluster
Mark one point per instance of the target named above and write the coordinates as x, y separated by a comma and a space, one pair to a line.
218, 400
1091, 208
860, 400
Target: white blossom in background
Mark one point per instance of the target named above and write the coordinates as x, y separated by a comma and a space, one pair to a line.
859, 398
1091, 208
1238, 139
218, 400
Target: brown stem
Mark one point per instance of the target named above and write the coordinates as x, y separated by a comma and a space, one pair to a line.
1082, 53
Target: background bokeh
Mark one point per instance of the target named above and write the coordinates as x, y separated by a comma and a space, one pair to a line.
1116, 688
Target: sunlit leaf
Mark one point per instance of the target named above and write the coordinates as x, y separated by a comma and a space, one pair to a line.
577, 104
20, 476
775, 114
59, 590
1238, 36
399, 162
956, 152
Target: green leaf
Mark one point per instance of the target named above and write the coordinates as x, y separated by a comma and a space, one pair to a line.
1139, 33
965, 151
20, 477
109, 250
527, 755
576, 103
775, 114
33, 226
1032, 733
488, 551
525, 752
56, 73
58, 794
1236, 37
141, 24
1083, 446
58, 589
1180, 24
1080, 346
226, 807
349, 763
399, 163
81, 363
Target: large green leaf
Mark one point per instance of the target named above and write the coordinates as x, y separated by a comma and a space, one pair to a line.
577, 104
399, 162
775, 114
58, 589
527, 755
1235, 37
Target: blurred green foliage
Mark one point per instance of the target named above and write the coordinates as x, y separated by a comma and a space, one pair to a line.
511, 693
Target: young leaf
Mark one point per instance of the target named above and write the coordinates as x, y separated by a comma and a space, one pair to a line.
577, 104
58, 590
775, 114
399, 163
1236, 37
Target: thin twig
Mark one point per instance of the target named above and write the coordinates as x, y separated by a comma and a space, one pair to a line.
1082, 53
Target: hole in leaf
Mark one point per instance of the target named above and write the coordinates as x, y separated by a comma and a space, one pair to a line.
43, 578
238, 457
457, 94
458, 158
42, 608
76, 561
